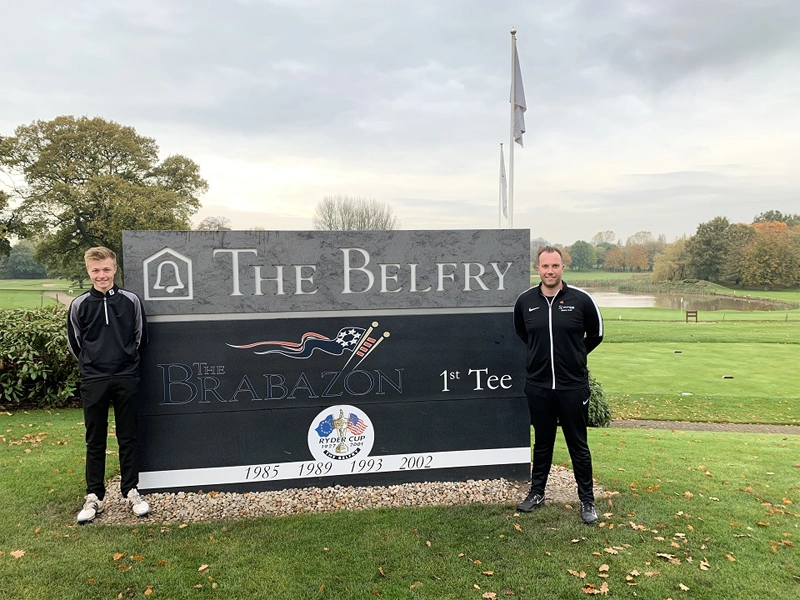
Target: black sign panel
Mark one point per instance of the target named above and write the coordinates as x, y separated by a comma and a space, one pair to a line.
272, 403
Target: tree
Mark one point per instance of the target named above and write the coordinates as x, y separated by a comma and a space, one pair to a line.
9, 222
582, 255
214, 224
536, 243
737, 239
21, 263
636, 257
346, 213
673, 263
614, 259
603, 237
86, 180
772, 258
776, 215
706, 249
600, 252
651, 245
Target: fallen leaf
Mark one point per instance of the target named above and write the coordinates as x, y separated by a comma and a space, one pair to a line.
428, 544
610, 550
730, 557
148, 592
203, 568
381, 571
602, 568
118, 555
508, 592
489, 595
580, 575
704, 565
137, 558
17, 553
125, 567
517, 527
416, 584
488, 573
684, 588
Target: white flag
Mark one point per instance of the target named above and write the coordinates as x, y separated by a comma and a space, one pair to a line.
503, 184
519, 99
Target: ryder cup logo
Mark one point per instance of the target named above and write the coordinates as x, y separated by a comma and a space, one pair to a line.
167, 276
341, 433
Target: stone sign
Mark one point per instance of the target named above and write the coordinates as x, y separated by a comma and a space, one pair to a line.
289, 359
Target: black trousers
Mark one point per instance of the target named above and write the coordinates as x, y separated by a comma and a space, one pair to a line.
570, 408
97, 397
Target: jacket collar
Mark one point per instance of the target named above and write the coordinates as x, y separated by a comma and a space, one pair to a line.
558, 293
114, 289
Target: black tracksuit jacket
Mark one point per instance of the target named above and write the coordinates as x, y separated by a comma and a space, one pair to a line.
106, 332
559, 334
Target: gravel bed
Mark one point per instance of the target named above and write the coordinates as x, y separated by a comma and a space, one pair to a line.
190, 507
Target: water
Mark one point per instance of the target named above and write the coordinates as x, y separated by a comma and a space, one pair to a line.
678, 301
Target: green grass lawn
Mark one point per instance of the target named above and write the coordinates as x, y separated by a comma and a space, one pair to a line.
695, 515
649, 380
29, 293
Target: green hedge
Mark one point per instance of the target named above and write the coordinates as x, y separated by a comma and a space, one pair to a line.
36, 369
599, 410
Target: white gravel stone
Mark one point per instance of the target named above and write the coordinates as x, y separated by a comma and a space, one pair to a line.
190, 507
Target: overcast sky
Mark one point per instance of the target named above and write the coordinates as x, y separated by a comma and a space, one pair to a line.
642, 115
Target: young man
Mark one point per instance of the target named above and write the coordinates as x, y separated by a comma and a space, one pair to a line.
106, 331
560, 325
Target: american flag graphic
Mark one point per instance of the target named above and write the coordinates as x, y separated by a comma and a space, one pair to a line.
355, 425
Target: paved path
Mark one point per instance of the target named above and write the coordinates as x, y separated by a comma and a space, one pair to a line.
733, 427
60, 296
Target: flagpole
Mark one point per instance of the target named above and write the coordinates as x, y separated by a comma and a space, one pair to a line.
500, 192
511, 137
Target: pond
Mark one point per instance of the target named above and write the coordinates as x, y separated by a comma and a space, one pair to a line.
605, 298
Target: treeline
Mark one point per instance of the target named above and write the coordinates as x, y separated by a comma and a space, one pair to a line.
73, 183
764, 253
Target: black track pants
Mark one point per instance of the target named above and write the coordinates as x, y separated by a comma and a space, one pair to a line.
570, 408
97, 397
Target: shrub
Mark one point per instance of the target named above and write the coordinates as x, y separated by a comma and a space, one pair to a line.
36, 368
599, 410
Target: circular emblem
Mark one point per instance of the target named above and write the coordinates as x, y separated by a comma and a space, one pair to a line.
341, 432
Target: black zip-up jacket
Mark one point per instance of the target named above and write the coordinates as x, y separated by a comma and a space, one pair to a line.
106, 333
559, 334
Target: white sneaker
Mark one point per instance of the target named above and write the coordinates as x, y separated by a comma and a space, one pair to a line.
139, 505
91, 508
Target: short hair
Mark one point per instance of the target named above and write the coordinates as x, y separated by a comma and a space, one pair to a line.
99, 253
544, 249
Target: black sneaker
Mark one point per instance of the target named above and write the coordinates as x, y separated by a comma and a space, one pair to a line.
588, 513
532, 502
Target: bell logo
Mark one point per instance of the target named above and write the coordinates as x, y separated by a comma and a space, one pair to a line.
167, 276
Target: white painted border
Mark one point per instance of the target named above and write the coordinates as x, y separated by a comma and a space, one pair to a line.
418, 461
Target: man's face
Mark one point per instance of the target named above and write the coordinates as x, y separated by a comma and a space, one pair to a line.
101, 272
550, 269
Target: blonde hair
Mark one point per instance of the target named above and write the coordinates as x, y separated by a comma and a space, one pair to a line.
99, 253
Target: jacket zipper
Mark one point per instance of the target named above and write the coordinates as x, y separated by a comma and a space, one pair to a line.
550, 327
105, 308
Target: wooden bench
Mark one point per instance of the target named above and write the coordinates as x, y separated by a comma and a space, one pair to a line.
691, 314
